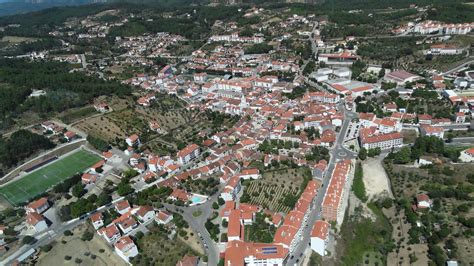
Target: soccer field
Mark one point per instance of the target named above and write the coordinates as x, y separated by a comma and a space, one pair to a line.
41, 180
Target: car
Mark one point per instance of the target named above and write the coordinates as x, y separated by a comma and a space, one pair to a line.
298, 260
292, 257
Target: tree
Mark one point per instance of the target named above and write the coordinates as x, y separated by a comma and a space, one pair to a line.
362, 153
78, 190
215, 205
28, 240
87, 236
382, 73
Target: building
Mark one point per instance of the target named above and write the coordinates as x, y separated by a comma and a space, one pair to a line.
370, 139
188, 261
231, 189
427, 130
125, 248
97, 220
109, 233
239, 253
344, 58
253, 173
36, 222
333, 207
320, 237
122, 206
444, 49
39, 205
467, 155
423, 201
133, 140
163, 217
188, 154
145, 213
401, 77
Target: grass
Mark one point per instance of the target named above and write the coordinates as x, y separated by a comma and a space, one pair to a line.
197, 213
362, 236
41, 180
358, 185
74, 115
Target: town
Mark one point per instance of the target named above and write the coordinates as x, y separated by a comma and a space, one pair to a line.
237, 135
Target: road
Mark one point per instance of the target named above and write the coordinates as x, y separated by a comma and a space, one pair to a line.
457, 68
337, 153
197, 225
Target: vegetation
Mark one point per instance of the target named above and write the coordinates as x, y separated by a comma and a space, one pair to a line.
21, 145
358, 184
259, 48
260, 231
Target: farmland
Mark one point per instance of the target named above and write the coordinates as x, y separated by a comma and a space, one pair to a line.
41, 180
274, 187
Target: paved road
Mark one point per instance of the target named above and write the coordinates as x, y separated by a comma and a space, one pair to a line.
197, 225
458, 67
337, 153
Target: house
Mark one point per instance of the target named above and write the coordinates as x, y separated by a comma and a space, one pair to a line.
96, 168
102, 107
69, 135
425, 119
444, 49
97, 220
127, 225
401, 77
188, 261
36, 222
252, 173
122, 207
125, 248
332, 206
343, 58
320, 237
145, 213
110, 233
88, 178
427, 130
179, 194
231, 189
188, 154
423, 201
163, 217
39, 205
467, 155
460, 117
133, 140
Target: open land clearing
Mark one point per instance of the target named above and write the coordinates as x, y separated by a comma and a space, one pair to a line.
87, 251
375, 179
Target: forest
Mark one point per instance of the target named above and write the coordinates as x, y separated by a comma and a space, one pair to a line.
21, 145
64, 89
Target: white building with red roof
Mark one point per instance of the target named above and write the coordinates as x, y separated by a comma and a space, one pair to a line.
188, 154
427, 130
125, 248
320, 237
333, 206
467, 155
145, 213
239, 253
133, 140
110, 233
423, 201
370, 139
122, 206
39, 205
36, 222
163, 217
252, 173
231, 189
97, 220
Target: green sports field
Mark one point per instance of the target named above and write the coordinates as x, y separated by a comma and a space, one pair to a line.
41, 180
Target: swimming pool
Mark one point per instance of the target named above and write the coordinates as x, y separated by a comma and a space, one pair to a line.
196, 199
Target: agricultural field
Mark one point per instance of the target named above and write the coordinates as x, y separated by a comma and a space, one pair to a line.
74, 115
180, 125
444, 230
39, 181
274, 191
